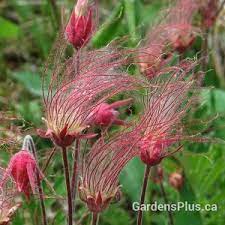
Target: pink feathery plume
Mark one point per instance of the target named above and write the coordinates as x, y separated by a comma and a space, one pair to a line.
100, 171
166, 105
174, 33
209, 11
155, 52
74, 94
181, 33
8, 206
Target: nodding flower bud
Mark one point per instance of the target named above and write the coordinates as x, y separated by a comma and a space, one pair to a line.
181, 37
209, 12
176, 180
23, 168
97, 202
152, 151
106, 114
80, 26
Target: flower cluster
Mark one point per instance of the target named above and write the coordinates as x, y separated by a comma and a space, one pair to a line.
174, 33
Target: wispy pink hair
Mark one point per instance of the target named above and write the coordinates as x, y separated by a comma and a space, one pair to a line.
165, 106
76, 89
100, 171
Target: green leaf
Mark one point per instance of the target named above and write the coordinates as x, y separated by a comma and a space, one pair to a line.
186, 217
130, 11
31, 81
214, 100
131, 179
9, 30
115, 216
109, 29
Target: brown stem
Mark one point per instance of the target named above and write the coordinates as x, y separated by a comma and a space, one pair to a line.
67, 178
75, 172
205, 51
32, 148
94, 218
41, 196
166, 201
49, 160
143, 192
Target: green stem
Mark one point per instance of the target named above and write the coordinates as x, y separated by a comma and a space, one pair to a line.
143, 192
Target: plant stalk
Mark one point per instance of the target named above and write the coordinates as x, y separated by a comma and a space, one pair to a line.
29, 143
75, 172
95, 218
143, 192
67, 178
166, 201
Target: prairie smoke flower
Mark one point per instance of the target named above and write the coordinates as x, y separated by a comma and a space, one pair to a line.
80, 26
106, 114
153, 58
209, 11
22, 168
8, 206
161, 124
181, 33
72, 97
156, 52
100, 171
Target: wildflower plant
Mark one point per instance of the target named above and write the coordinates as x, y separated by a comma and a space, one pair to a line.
105, 107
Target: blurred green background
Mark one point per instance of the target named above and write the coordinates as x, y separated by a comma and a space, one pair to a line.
27, 32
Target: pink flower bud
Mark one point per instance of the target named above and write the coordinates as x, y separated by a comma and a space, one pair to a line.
105, 114
151, 152
176, 180
22, 168
181, 37
80, 26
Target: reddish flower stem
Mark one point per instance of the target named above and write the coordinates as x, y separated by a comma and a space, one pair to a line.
67, 178
75, 171
143, 192
205, 51
41, 196
49, 160
40, 189
166, 201
95, 217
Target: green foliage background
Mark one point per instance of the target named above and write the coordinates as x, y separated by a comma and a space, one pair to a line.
27, 32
